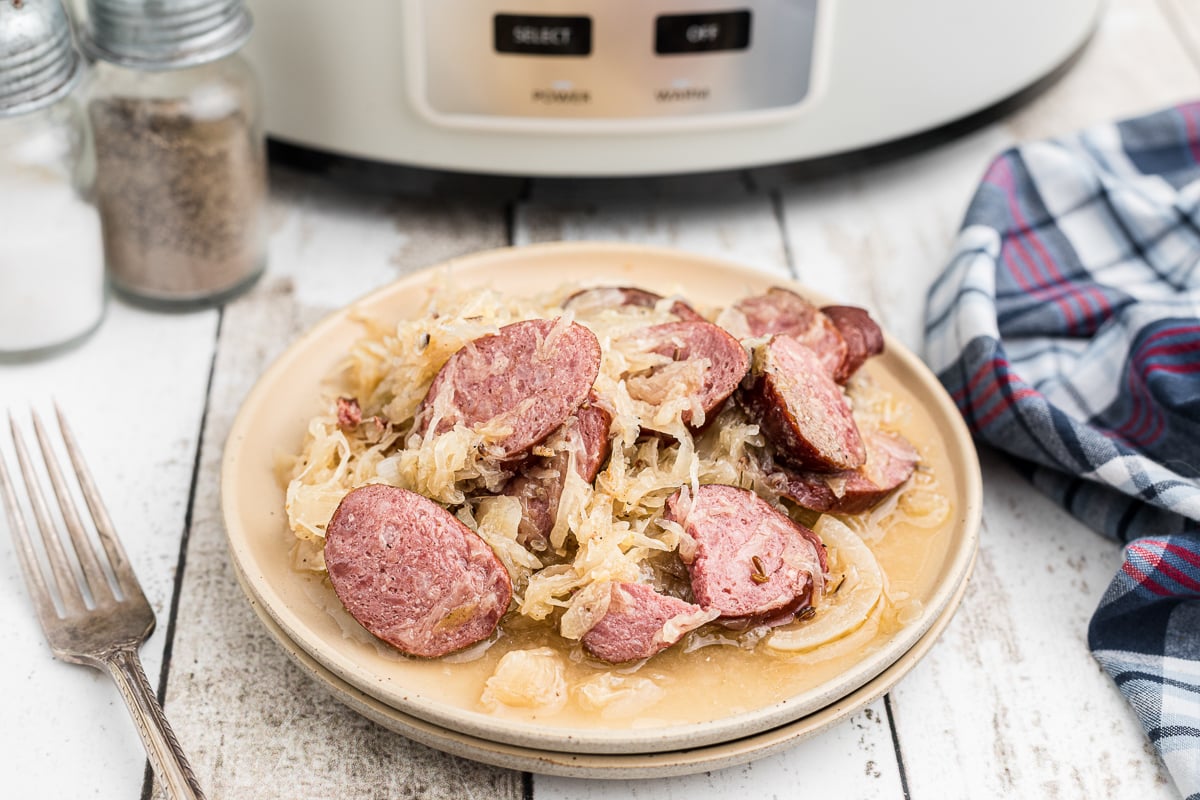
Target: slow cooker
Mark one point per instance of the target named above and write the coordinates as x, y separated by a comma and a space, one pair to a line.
638, 87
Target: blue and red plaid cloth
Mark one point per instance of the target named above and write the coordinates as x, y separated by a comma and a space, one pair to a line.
1067, 329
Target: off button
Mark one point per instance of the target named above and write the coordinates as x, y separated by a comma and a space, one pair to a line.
701, 33
543, 36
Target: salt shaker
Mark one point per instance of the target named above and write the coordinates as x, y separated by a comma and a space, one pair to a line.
180, 152
51, 262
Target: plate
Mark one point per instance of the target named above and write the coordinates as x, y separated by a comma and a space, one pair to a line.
273, 418
630, 766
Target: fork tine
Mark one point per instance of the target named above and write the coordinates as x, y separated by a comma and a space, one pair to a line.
68, 589
93, 573
43, 602
126, 579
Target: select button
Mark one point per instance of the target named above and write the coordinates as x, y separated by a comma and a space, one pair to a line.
543, 36
702, 33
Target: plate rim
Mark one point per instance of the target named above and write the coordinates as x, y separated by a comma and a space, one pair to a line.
594, 741
612, 766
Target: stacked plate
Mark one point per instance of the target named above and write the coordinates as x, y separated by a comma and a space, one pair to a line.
420, 699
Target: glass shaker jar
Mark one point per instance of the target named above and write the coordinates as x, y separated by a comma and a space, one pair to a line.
180, 153
51, 263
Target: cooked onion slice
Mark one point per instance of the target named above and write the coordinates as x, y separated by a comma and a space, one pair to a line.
845, 606
527, 679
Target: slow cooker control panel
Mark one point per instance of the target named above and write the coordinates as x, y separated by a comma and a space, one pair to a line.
612, 59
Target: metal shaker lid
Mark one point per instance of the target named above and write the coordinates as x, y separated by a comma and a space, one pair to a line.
164, 34
38, 62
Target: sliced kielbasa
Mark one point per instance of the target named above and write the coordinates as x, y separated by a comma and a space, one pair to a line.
863, 337
725, 361
530, 376
412, 574
587, 438
800, 408
538, 490
752, 563
891, 460
601, 297
782, 311
539, 486
639, 623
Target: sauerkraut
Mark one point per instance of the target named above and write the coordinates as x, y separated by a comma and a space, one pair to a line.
609, 530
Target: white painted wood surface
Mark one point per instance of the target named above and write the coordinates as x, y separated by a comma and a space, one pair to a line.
1008, 704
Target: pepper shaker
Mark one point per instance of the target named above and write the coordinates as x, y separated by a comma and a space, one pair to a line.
51, 262
180, 152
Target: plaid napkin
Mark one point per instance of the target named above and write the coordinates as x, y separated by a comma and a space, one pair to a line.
1067, 329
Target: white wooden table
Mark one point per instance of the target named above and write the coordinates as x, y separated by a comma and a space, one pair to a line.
1009, 703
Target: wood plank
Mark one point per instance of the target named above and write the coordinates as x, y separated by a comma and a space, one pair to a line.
258, 726
134, 394
721, 215
853, 759
876, 237
729, 216
1010, 703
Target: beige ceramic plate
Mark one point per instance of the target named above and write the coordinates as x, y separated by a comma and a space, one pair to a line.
630, 766
273, 419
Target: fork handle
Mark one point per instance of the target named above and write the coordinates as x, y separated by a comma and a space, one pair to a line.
166, 756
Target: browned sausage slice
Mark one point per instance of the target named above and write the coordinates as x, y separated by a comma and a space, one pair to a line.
616, 296
891, 461
538, 490
636, 624
806, 489
782, 311
539, 487
752, 563
800, 408
863, 337
529, 376
725, 362
412, 574
587, 438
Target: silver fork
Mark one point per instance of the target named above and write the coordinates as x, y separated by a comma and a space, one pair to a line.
91, 618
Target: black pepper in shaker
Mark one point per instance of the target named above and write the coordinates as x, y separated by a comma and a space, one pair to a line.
180, 155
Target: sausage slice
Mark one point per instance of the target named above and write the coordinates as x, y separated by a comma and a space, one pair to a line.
529, 376
862, 336
639, 623
413, 574
783, 312
539, 486
752, 563
617, 296
800, 408
891, 460
725, 361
